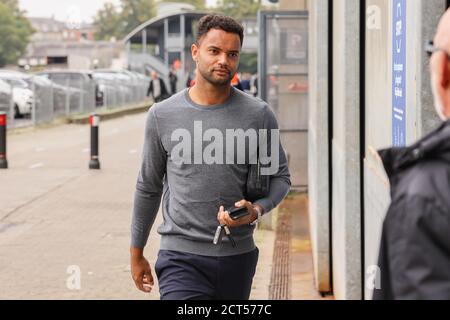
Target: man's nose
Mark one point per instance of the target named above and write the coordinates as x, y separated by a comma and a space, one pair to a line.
223, 59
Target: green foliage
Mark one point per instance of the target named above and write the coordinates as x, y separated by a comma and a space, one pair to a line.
248, 62
136, 12
15, 31
199, 4
112, 22
239, 9
108, 23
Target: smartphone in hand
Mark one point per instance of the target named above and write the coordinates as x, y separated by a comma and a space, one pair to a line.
236, 213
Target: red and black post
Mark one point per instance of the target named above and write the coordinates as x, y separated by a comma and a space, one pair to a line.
94, 121
3, 122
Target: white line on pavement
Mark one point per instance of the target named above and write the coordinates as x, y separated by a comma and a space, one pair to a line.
132, 151
37, 165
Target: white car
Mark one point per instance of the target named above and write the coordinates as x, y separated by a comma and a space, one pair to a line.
5, 96
22, 95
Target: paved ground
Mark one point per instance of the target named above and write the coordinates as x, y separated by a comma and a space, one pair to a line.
302, 284
58, 219
62, 225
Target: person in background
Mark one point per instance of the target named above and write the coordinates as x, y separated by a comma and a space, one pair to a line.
191, 80
173, 80
245, 82
414, 256
236, 83
254, 84
157, 88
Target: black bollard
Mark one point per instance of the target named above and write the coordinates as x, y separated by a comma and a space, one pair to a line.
3, 160
94, 121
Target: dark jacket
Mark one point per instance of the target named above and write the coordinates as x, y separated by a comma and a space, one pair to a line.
414, 257
164, 93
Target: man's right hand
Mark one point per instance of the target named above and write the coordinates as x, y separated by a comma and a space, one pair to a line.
140, 271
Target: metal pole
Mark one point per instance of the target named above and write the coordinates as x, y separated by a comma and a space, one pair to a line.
12, 114
94, 163
3, 122
33, 114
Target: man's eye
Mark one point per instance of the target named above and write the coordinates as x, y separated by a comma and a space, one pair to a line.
213, 51
233, 55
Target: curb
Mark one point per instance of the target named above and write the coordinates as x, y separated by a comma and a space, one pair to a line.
84, 118
111, 114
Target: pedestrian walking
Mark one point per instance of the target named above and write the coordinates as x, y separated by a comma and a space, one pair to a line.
173, 81
157, 88
206, 250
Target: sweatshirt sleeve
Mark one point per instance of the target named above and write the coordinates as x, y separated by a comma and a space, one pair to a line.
280, 182
149, 184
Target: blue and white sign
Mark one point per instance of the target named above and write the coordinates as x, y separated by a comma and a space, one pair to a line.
399, 74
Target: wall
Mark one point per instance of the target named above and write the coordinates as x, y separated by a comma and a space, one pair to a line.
318, 155
355, 226
346, 207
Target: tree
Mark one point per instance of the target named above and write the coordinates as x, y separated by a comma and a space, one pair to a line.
108, 23
118, 22
15, 32
239, 9
136, 12
198, 4
248, 62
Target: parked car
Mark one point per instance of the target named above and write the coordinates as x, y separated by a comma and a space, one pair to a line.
22, 95
108, 91
121, 83
5, 96
80, 82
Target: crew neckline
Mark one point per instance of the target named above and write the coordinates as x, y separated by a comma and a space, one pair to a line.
208, 107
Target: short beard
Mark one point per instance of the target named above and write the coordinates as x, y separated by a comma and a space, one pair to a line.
438, 104
209, 77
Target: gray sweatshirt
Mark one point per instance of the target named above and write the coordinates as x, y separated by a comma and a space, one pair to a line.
192, 160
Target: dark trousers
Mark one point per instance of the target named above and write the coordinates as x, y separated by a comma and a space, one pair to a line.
185, 276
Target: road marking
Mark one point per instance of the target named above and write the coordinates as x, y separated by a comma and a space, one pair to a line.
37, 165
85, 150
132, 151
39, 149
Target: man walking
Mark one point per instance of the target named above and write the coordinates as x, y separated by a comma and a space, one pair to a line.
414, 254
157, 88
191, 160
173, 79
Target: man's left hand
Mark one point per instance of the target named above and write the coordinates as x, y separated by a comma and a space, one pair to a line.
224, 217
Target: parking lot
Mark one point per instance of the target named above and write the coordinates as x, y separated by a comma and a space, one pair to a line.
37, 98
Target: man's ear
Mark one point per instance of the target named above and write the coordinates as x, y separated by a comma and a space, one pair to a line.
444, 72
439, 69
194, 51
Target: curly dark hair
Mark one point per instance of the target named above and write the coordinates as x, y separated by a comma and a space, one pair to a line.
215, 21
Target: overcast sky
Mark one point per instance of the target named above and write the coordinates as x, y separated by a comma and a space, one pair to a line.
74, 10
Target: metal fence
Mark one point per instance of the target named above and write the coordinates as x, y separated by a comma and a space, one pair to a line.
116, 89
6, 99
62, 95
